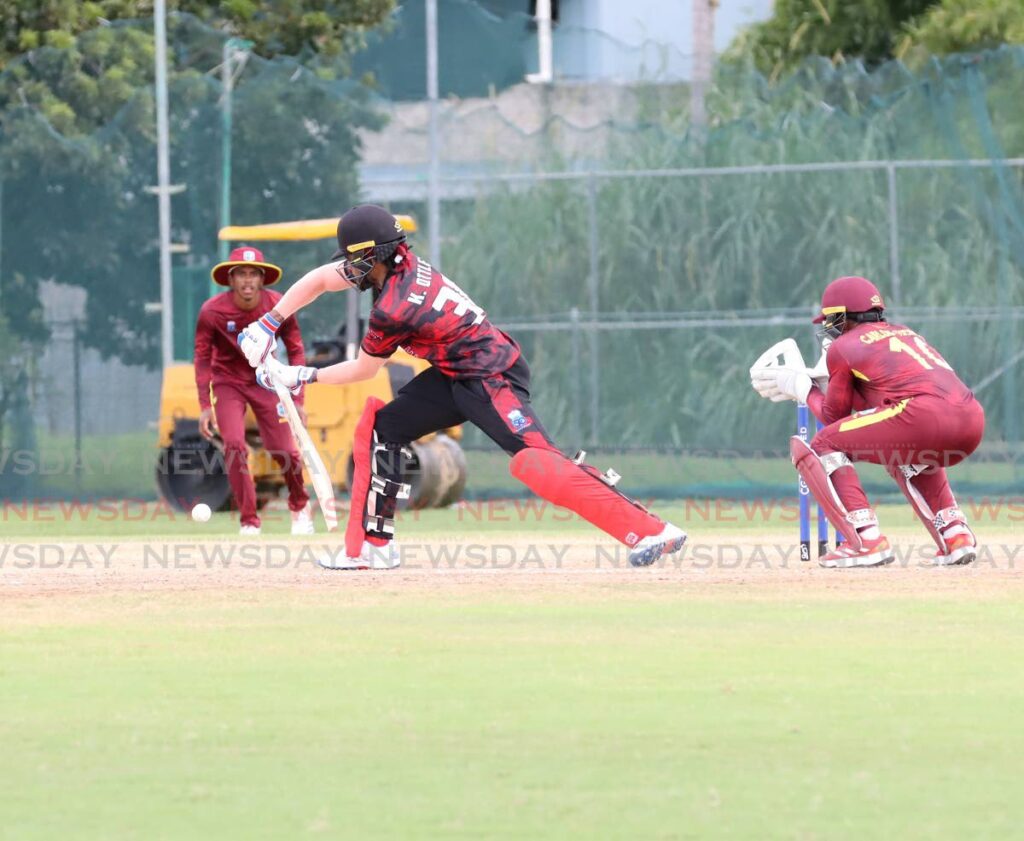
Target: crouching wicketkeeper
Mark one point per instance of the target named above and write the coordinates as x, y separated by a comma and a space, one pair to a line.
886, 397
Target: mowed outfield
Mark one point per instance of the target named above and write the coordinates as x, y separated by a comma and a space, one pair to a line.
515, 679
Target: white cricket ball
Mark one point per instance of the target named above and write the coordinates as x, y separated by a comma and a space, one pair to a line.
201, 513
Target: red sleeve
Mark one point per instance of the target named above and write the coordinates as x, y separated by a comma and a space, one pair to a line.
383, 335
202, 357
838, 400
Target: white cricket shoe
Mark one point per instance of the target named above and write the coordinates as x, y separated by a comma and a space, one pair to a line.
961, 548
370, 557
249, 531
302, 521
873, 553
666, 542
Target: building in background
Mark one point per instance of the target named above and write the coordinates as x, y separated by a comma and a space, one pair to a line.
634, 40
488, 45
492, 119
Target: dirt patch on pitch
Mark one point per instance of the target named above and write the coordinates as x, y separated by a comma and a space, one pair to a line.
537, 568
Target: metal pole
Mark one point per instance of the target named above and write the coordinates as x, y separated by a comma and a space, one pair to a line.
76, 353
352, 336
593, 279
545, 65
895, 292
227, 90
163, 169
434, 175
577, 398
703, 31
1, 244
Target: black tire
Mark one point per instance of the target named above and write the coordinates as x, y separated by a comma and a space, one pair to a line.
190, 474
436, 474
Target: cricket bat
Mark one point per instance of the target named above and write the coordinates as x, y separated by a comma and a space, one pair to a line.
318, 475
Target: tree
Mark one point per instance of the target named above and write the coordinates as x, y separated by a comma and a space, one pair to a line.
277, 27
956, 26
838, 29
77, 139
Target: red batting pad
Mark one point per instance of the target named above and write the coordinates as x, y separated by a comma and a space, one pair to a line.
808, 465
355, 533
555, 478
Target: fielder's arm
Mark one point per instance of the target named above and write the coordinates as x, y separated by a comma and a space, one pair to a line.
309, 287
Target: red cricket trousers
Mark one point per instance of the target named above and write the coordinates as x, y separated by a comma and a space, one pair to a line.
229, 403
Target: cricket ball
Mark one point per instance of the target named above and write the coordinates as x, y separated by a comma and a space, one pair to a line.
201, 513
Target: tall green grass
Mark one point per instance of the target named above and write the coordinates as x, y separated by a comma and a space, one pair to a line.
752, 243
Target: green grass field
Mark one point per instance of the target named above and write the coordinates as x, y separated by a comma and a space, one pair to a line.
655, 703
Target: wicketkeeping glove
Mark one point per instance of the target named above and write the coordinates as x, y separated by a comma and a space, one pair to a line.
292, 377
258, 339
779, 383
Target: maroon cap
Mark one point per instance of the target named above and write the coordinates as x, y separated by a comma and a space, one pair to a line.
849, 294
245, 255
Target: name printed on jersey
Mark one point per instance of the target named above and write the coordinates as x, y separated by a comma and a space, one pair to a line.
449, 293
883, 333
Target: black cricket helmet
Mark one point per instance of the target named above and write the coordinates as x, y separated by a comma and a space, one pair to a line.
367, 235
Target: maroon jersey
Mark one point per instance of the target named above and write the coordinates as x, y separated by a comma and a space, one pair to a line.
218, 358
424, 313
878, 364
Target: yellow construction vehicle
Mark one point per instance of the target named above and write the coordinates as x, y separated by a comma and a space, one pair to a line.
190, 469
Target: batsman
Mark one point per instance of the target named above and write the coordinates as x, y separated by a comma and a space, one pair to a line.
477, 374
887, 397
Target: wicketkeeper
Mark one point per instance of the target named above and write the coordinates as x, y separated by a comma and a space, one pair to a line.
477, 374
886, 397
226, 388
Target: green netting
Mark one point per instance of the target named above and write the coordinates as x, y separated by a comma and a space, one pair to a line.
642, 263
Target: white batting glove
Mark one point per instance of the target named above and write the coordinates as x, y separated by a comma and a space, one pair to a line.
779, 383
292, 377
257, 341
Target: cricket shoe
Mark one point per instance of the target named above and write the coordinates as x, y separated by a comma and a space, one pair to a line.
249, 531
873, 553
961, 548
666, 542
370, 557
302, 521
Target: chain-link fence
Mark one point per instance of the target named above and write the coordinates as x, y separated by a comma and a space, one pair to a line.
642, 263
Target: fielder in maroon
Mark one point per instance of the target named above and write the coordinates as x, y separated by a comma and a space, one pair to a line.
891, 399
225, 385
477, 374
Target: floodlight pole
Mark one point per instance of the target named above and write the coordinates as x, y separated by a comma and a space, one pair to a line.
232, 46
703, 29
434, 169
163, 190
227, 86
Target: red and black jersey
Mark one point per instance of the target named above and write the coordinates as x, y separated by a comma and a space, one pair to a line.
878, 364
427, 315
